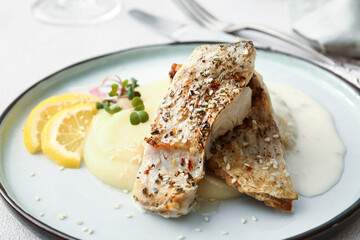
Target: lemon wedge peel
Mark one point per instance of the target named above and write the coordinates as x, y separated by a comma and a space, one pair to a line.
44, 111
63, 136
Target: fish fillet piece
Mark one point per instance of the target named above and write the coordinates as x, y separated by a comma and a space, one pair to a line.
250, 158
207, 97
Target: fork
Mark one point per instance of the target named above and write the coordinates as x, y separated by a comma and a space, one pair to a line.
205, 19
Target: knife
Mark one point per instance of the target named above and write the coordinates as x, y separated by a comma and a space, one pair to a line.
180, 32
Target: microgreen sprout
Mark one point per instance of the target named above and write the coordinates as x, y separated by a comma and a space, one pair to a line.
118, 90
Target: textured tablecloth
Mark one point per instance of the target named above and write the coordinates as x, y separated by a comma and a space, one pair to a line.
30, 50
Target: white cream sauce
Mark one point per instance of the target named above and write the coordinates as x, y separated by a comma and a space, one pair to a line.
315, 159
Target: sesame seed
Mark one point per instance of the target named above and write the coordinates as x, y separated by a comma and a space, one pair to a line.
129, 216
228, 166
125, 191
85, 229
117, 206
243, 220
212, 199
61, 168
197, 230
264, 168
206, 219
260, 161
184, 140
275, 166
254, 218
225, 159
276, 136
32, 174
258, 156
79, 222
211, 92
233, 180
254, 122
245, 144
236, 90
224, 232
180, 237
42, 214
37, 198
62, 216
91, 231
267, 139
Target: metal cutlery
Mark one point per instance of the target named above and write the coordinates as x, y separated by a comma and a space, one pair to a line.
204, 18
180, 32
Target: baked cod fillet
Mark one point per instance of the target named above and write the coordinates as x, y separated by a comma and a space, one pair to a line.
250, 158
208, 96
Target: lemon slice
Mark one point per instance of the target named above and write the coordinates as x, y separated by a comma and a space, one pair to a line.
44, 111
63, 136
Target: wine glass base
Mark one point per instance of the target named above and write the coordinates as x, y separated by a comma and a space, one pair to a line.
76, 12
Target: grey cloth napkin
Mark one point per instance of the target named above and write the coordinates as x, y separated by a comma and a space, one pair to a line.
334, 24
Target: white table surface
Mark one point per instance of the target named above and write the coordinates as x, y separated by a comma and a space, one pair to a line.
31, 50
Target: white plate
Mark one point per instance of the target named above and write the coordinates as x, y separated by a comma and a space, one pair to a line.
79, 195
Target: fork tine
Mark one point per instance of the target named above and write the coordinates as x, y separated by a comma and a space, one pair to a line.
200, 15
189, 12
202, 10
194, 8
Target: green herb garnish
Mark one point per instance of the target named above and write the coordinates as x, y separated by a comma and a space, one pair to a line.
134, 118
138, 116
122, 89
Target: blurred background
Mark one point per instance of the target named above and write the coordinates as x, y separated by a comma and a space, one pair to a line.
38, 38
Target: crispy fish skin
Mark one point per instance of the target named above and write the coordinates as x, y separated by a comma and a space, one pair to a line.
207, 97
250, 158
